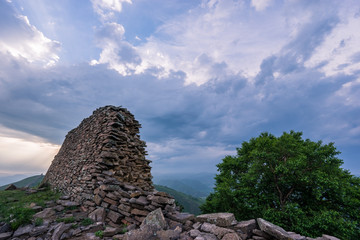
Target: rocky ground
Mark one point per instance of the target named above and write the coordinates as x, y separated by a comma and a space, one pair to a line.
65, 219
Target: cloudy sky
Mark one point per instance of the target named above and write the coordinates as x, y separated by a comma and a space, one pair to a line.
201, 76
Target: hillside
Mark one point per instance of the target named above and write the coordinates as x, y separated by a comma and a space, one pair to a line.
190, 203
198, 185
27, 182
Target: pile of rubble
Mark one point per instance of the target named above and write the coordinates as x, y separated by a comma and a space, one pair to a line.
144, 215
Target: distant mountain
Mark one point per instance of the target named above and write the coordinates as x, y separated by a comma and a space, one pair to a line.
8, 179
190, 203
27, 182
198, 185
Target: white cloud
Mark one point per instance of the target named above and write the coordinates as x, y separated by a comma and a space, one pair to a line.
260, 5
349, 93
116, 52
24, 153
23, 40
335, 54
107, 8
216, 39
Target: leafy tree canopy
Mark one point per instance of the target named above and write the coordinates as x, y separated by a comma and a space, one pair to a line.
295, 183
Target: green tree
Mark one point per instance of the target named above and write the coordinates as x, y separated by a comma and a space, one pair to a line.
295, 183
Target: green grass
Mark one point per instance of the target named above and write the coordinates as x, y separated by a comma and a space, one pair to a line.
66, 220
39, 221
14, 205
99, 234
87, 222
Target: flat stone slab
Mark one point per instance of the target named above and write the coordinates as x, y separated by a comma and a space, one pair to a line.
327, 237
67, 203
273, 230
5, 235
219, 219
246, 226
45, 214
23, 230
181, 217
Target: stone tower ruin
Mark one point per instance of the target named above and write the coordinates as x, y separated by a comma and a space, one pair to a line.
104, 146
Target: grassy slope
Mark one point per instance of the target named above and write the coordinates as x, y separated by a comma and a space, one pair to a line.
190, 203
14, 205
27, 182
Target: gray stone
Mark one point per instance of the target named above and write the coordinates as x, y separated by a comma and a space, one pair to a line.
5, 235
64, 197
146, 232
169, 234
296, 236
217, 231
181, 217
194, 233
260, 233
5, 228
155, 218
196, 225
328, 237
161, 200
59, 230
91, 236
36, 231
110, 231
67, 203
114, 216
246, 226
207, 236
220, 219
259, 238
23, 230
45, 214
98, 215
231, 236
142, 200
273, 229
97, 199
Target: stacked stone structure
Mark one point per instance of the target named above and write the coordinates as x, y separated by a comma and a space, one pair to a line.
106, 144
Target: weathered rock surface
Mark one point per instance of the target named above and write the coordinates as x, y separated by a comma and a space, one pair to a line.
10, 187
273, 230
155, 218
5, 235
220, 219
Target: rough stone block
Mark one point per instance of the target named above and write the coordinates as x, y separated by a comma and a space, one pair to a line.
219, 219
155, 218
98, 215
114, 216
273, 229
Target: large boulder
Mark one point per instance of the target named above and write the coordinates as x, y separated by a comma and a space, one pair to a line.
219, 219
155, 218
273, 230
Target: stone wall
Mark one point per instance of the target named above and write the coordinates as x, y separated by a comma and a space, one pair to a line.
106, 144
